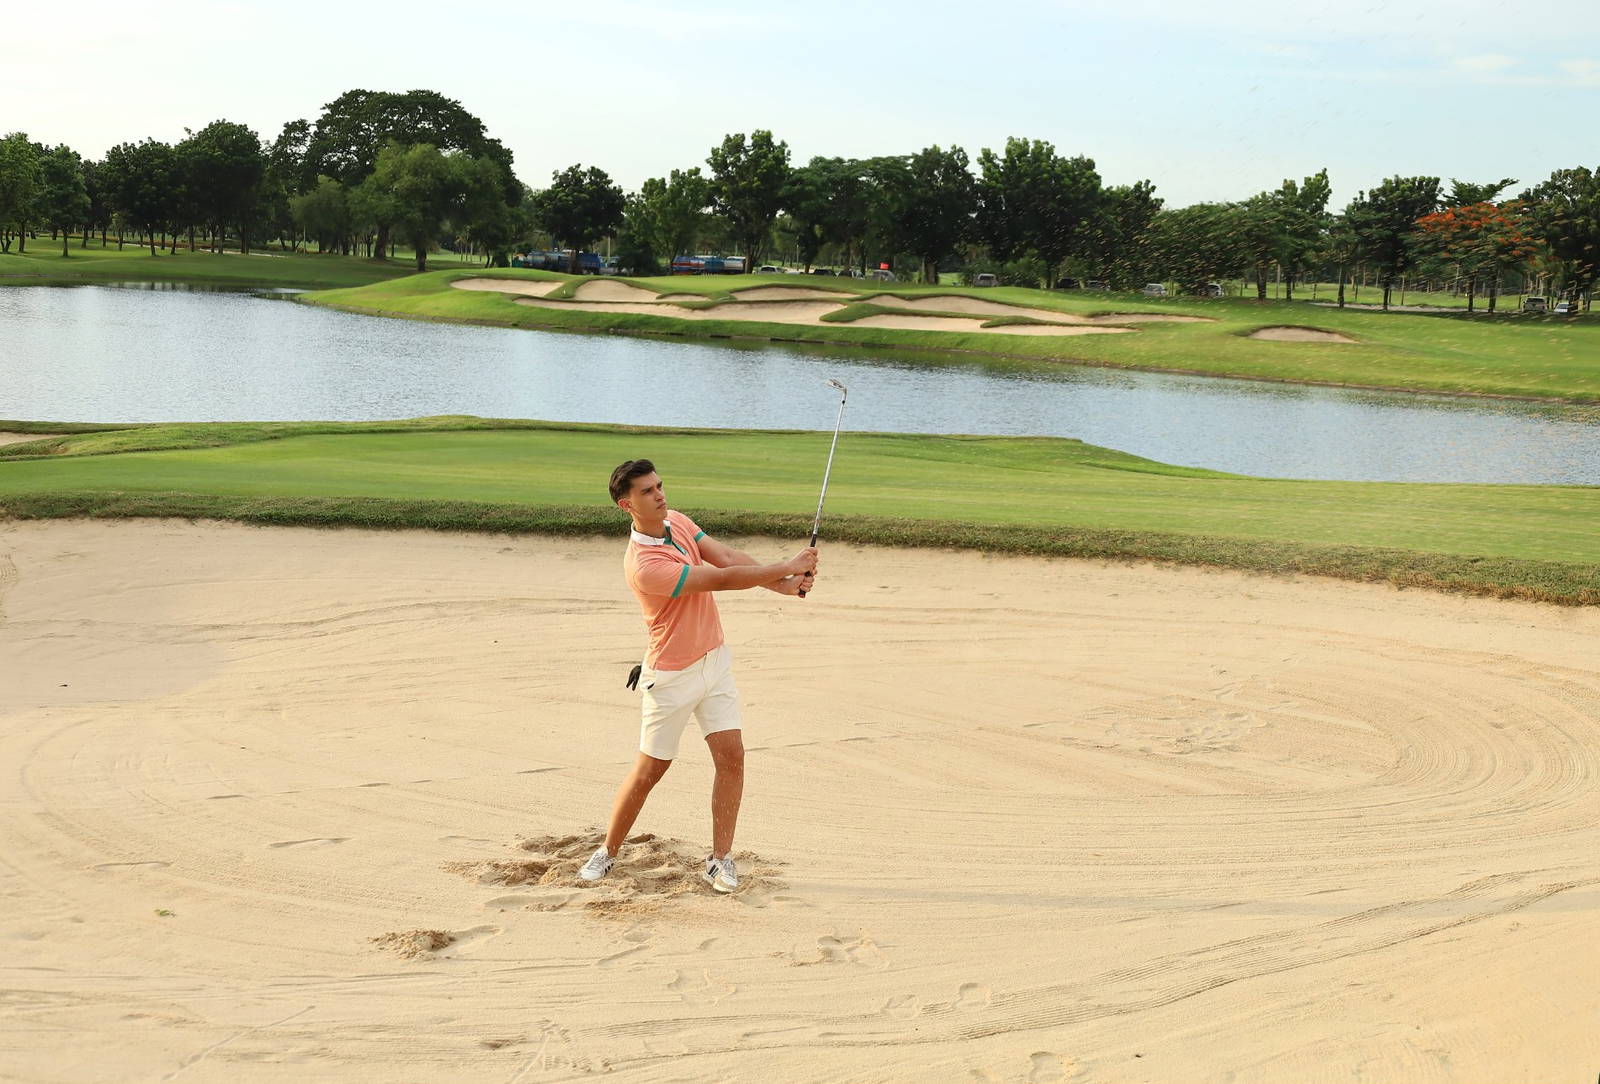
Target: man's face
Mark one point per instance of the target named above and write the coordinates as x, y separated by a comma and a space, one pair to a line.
647, 498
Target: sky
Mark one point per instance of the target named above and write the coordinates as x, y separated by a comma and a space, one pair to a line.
1210, 100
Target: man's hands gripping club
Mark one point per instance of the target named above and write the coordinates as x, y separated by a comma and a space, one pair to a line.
728, 569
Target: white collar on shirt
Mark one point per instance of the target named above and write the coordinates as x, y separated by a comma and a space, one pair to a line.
647, 540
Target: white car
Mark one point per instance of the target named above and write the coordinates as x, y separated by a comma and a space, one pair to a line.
769, 269
1566, 308
985, 279
1154, 289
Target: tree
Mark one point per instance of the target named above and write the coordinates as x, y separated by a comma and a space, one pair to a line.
1565, 211
1483, 238
1385, 223
484, 217
749, 180
416, 189
146, 180
354, 127
1465, 193
1198, 244
21, 175
285, 158
323, 213
580, 206
670, 212
225, 166
63, 199
1032, 199
928, 197
1303, 224
1117, 242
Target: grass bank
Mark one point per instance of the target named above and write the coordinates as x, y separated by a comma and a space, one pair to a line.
43, 265
1041, 496
1530, 357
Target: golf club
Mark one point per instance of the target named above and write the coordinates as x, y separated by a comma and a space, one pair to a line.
817, 523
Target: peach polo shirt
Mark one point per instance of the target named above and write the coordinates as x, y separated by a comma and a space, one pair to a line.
682, 627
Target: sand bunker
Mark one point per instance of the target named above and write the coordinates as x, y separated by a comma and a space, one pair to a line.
912, 322
1299, 335
775, 312
609, 290
790, 293
21, 438
526, 287
958, 303
1163, 824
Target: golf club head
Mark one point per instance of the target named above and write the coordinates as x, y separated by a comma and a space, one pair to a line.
838, 387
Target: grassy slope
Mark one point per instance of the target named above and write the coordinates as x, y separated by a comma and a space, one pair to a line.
1029, 495
43, 264
1541, 357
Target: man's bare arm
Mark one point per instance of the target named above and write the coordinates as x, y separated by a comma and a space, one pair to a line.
738, 577
725, 556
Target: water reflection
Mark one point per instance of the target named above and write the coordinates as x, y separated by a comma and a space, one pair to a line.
165, 353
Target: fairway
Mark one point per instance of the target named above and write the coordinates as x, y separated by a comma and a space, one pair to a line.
1030, 495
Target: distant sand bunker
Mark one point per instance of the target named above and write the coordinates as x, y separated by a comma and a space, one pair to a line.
788, 293
913, 322
21, 438
1299, 335
527, 287
775, 312
605, 290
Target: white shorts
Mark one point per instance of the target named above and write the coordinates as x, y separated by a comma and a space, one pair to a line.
704, 690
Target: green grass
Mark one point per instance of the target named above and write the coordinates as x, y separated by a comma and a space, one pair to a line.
1015, 495
1532, 357
43, 265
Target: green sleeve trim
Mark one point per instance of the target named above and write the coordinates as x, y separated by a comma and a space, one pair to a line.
698, 537
682, 576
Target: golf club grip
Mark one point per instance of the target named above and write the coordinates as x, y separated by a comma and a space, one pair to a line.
802, 591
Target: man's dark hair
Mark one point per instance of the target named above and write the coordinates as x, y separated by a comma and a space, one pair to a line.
622, 478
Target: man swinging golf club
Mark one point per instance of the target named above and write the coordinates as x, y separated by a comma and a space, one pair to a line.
673, 567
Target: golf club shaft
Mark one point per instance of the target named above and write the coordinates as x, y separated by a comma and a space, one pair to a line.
816, 524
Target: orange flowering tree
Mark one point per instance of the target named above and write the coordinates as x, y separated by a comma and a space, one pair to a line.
1484, 238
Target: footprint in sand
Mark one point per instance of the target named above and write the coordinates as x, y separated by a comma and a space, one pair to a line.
832, 949
131, 865
973, 995
1046, 1068
324, 841
903, 1007
701, 988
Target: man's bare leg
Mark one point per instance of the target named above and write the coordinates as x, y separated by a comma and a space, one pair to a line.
727, 790
647, 772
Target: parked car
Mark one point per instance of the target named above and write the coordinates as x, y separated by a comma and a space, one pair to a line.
849, 273
686, 265
1209, 289
881, 274
820, 271
1535, 303
1067, 284
1153, 289
985, 279
1566, 308
1096, 284
769, 269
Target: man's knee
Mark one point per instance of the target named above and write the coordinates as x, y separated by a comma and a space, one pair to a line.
649, 769
727, 750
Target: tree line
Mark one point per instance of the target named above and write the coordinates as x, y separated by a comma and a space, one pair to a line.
377, 168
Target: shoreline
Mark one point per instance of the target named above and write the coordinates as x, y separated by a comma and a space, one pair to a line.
807, 340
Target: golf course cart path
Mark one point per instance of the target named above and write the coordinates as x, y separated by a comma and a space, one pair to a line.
288, 795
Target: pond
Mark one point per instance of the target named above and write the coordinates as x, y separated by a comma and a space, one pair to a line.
110, 354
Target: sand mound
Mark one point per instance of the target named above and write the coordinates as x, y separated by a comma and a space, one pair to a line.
1299, 335
525, 287
1241, 827
789, 293
913, 322
610, 290
409, 944
21, 438
959, 303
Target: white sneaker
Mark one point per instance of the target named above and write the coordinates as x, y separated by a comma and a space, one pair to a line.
721, 874
599, 864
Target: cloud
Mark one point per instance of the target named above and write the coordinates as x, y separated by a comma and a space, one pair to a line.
1488, 62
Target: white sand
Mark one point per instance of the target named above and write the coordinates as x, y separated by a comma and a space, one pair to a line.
791, 293
955, 303
526, 287
1299, 335
609, 290
774, 312
21, 438
914, 322
1011, 820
